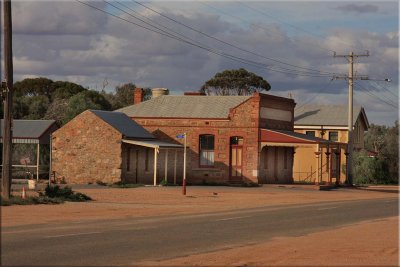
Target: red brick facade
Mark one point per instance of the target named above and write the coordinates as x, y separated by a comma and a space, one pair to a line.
244, 121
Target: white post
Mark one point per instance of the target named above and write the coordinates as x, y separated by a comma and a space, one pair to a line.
176, 154
155, 167
37, 162
166, 166
184, 165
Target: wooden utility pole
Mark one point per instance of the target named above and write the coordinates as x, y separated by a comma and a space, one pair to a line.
350, 78
7, 89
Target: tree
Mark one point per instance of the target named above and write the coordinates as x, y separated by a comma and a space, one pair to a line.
123, 95
34, 87
57, 111
235, 82
85, 100
64, 90
384, 168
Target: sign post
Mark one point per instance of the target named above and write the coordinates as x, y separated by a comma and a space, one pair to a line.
180, 136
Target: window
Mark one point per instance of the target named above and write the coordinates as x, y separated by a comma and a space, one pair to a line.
310, 133
206, 144
237, 140
333, 136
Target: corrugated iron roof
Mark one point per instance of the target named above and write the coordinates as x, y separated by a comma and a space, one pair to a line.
28, 129
289, 136
153, 143
185, 107
122, 123
332, 115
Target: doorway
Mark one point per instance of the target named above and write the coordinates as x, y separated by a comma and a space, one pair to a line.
236, 159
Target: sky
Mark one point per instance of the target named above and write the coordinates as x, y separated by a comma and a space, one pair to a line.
180, 45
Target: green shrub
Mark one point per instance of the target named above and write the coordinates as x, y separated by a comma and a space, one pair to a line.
17, 200
124, 185
65, 193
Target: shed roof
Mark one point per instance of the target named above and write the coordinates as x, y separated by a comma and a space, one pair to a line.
185, 107
281, 136
28, 129
123, 124
153, 143
332, 115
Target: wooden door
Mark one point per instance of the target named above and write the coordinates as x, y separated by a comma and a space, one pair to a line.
236, 159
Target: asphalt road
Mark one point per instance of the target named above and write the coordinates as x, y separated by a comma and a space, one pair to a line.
126, 241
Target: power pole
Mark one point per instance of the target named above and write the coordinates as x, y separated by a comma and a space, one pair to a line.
7, 89
350, 78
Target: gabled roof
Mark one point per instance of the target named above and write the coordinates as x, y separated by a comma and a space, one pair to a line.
327, 115
123, 124
29, 129
185, 107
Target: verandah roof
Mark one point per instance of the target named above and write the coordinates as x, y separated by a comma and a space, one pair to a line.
152, 143
288, 138
31, 131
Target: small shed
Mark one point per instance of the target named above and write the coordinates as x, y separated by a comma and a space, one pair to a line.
31, 132
107, 147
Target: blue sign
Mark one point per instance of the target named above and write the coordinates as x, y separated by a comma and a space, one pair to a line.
180, 136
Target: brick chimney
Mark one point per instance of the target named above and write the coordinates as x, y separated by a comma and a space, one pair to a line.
137, 95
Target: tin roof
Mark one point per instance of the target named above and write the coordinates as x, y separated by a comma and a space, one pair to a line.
28, 129
185, 107
123, 124
153, 143
280, 136
330, 115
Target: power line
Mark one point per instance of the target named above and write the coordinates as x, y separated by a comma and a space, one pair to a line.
253, 24
289, 24
230, 44
220, 53
315, 95
381, 87
374, 96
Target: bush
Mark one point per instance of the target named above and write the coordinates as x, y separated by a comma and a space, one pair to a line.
124, 185
65, 193
370, 170
17, 200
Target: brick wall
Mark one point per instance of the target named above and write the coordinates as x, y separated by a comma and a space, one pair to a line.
87, 150
243, 122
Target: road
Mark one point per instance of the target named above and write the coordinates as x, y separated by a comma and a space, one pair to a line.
126, 241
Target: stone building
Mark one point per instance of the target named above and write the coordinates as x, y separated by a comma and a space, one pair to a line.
230, 139
108, 147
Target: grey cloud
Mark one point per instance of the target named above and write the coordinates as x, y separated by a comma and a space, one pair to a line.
57, 18
95, 46
358, 8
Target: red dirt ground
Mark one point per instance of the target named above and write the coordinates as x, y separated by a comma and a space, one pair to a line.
368, 243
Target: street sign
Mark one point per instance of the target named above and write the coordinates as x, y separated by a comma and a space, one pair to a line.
180, 136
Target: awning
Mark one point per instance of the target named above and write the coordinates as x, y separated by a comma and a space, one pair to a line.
291, 139
157, 145
153, 144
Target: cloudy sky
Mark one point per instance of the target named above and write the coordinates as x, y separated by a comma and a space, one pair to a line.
180, 45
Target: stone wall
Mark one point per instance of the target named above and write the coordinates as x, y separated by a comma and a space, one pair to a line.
87, 150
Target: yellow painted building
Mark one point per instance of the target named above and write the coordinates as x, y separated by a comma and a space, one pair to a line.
329, 123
